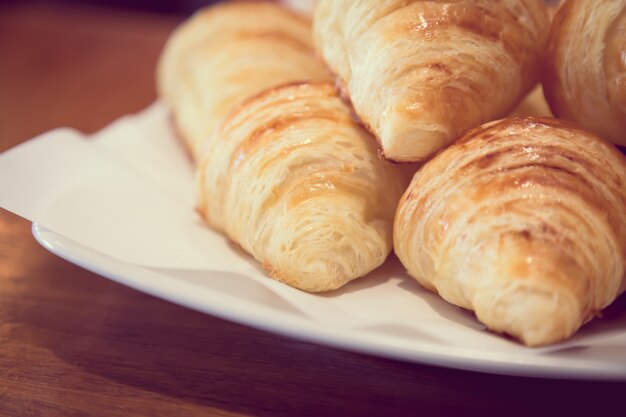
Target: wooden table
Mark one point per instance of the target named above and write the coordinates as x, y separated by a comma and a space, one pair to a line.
73, 343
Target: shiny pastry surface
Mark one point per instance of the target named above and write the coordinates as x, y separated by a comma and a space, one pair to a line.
523, 222
293, 179
585, 75
420, 73
225, 53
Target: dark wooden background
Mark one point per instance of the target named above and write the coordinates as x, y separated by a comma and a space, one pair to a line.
75, 344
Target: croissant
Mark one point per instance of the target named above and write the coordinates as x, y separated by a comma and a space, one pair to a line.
585, 75
293, 179
225, 53
521, 221
420, 73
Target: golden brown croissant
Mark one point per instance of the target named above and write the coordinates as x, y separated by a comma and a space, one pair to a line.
298, 183
522, 221
227, 52
420, 73
585, 76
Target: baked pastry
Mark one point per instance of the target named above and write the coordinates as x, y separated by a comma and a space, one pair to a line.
225, 53
420, 73
293, 179
585, 75
521, 221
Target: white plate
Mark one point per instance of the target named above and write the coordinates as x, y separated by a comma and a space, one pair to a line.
228, 296
120, 203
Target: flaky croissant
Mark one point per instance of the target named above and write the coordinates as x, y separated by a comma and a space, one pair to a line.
585, 75
298, 183
522, 221
420, 73
225, 53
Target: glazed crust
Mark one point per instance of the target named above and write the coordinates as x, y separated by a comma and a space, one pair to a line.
297, 182
225, 53
420, 73
585, 75
521, 221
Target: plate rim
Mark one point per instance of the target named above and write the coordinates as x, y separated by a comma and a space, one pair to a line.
305, 329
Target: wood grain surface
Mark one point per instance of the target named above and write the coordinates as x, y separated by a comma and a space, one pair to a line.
76, 344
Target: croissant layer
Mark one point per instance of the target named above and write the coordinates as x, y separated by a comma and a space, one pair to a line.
521, 221
225, 53
298, 183
585, 75
420, 73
